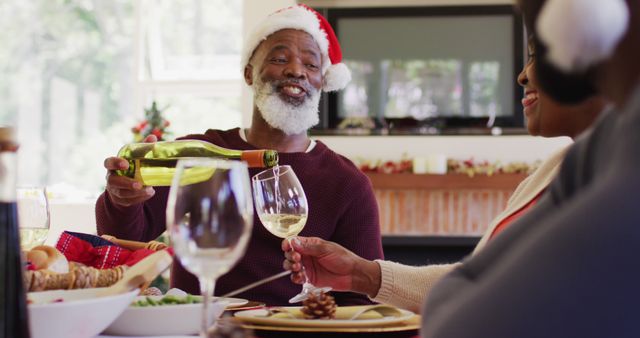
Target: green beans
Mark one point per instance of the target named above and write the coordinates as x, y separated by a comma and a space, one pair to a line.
166, 300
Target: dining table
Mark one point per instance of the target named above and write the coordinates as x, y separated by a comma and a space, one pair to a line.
398, 323
406, 329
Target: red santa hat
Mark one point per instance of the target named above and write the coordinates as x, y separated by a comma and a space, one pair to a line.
336, 74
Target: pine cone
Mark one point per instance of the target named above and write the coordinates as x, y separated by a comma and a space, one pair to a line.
319, 306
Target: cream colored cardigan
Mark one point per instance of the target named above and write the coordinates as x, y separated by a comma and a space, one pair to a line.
407, 286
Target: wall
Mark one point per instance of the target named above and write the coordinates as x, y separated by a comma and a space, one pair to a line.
492, 148
503, 148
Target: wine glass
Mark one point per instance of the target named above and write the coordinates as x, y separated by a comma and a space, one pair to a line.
283, 210
209, 218
33, 216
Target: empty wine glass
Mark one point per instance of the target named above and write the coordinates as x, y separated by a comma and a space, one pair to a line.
283, 210
33, 216
209, 218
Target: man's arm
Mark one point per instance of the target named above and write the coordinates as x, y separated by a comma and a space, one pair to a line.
127, 209
574, 274
140, 222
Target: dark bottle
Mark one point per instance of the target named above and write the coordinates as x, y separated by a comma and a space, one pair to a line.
14, 320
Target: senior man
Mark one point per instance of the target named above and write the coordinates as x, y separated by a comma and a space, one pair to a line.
289, 59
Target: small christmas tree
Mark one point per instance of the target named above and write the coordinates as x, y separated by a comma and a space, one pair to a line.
153, 123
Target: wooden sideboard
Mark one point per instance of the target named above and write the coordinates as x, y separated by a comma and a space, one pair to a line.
437, 218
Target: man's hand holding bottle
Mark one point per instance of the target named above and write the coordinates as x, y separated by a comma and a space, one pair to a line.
122, 190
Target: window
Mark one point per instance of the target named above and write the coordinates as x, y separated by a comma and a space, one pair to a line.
190, 62
78, 73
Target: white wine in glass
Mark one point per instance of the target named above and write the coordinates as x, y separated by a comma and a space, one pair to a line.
209, 220
283, 210
283, 225
33, 216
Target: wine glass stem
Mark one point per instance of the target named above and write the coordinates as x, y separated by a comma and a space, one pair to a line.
206, 289
302, 269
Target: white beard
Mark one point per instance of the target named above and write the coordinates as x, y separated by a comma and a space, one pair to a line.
291, 119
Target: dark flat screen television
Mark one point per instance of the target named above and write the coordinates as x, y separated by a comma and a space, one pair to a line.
420, 70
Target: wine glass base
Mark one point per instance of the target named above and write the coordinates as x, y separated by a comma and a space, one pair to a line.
307, 289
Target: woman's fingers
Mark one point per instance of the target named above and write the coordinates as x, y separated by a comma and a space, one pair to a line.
290, 265
297, 277
295, 268
292, 256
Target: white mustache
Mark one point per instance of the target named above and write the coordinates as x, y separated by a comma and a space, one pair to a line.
291, 118
272, 86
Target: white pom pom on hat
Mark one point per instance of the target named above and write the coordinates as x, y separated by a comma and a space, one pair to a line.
581, 33
300, 17
336, 77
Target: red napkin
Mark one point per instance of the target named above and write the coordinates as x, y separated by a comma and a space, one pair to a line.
96, 251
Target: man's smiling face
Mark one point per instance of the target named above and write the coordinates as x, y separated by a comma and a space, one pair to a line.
287, 79
291, 58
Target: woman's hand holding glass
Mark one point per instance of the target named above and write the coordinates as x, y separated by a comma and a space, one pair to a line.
209, 218
331, 264
283, 210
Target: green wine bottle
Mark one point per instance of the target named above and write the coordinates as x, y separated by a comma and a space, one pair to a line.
155, 163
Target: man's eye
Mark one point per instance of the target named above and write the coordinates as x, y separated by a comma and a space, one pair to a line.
312, 66
279, 60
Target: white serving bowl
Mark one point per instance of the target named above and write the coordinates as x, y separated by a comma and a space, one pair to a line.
166, 320
81, 314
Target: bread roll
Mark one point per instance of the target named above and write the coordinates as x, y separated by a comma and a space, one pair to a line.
45, 257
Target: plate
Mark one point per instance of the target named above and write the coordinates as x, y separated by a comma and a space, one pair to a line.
411, 324
260, 316
166, 320
251, 305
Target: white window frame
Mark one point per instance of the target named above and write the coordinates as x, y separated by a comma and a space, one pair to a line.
145, 89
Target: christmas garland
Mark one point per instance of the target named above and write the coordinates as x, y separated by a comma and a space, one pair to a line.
469, 167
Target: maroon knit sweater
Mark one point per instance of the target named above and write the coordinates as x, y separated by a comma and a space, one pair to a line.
342, 208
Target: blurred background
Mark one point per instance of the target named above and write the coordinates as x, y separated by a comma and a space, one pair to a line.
78, 75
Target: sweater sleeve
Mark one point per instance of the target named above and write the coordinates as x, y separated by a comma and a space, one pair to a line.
358, 229
142, 222
408, 286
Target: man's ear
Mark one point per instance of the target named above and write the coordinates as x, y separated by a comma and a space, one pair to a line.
248, 74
